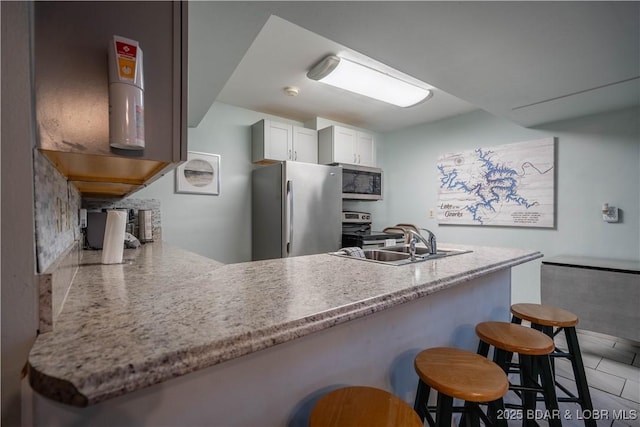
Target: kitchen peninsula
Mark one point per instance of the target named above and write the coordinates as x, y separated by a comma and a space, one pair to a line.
172, 338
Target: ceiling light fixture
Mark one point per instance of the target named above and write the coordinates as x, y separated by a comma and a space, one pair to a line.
364, 80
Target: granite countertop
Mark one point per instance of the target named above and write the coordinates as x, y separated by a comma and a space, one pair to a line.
166, 312
607, 264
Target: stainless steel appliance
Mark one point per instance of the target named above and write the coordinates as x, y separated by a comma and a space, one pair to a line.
356, 231
295, 210
356, 217
361, 182
96, 222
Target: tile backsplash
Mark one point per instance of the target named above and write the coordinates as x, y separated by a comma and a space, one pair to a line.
57, 205
134, 205
57, 208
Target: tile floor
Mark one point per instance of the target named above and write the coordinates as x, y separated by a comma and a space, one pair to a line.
613, 372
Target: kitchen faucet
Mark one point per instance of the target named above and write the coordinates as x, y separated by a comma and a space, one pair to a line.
429, 242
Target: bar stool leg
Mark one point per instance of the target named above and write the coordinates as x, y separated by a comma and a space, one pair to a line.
549, 385
483, 348
422, 400
528, 395
497, 407
548, 330
470, 417
580, 376
444, 410
503, 359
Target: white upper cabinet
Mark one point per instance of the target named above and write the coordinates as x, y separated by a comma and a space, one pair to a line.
273, 141
342, 145
365, 149
305, 145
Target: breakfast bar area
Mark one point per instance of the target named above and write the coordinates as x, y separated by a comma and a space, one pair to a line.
148, 342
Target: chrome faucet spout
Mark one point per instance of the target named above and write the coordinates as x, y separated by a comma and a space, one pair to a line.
429, 241
431, 238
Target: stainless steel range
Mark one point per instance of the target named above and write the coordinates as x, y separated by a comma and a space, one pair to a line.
356, 231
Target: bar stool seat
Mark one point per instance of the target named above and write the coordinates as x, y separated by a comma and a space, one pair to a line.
362, 406
514, 338
459, 374
544, 315
533, 349
553, 320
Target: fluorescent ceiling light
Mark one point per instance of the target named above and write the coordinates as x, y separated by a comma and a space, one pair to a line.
367, 81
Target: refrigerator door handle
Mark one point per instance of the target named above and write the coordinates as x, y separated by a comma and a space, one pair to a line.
290, 216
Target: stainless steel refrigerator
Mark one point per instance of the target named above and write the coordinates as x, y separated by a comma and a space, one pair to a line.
295, 210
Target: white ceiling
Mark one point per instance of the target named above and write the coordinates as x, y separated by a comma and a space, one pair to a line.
529, 62
282, 54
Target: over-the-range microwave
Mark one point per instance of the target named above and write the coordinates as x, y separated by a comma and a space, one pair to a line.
361, 182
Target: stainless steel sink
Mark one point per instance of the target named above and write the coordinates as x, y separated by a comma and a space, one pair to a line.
405, 249
399, 255
384, 256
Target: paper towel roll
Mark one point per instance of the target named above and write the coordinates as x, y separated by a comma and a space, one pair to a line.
113, 243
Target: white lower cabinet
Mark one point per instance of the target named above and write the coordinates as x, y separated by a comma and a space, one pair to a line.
337, 144
273, 141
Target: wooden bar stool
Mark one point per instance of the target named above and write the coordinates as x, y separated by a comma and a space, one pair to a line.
362, 406
459, 374
533, 349
553, 320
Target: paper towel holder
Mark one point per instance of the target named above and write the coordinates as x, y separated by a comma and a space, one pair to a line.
114, 230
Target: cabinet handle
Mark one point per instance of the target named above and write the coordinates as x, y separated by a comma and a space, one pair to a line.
289, 157
358, 158
295, 155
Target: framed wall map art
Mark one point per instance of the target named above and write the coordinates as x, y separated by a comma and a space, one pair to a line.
507, 185
200, 174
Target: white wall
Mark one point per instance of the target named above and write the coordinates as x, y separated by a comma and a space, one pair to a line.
597, 162
19, 290
217, 227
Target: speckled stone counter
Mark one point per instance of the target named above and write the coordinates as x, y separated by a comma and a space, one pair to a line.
166, 312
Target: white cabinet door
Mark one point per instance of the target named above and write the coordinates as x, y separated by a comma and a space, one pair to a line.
344, 145
279, 141
336, 145
305, 145
365, 149
271, 141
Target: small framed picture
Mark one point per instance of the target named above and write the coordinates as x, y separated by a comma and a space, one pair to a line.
200, 174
